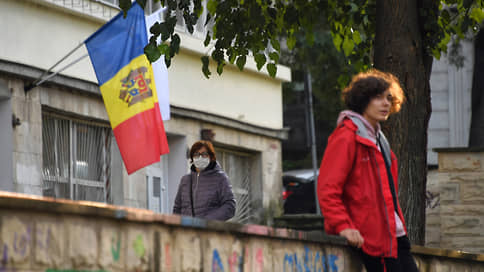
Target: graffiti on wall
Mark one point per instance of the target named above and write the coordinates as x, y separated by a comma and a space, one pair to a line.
138, 246
43, 237
432, 200
167, 257
17, 246
116, 246
21, 242
236, 261
310, 262
3, 264
71, 270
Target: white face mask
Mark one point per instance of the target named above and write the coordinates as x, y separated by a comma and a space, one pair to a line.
201, 163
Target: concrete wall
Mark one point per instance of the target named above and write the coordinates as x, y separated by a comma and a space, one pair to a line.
55, 235
455, 201
6, 134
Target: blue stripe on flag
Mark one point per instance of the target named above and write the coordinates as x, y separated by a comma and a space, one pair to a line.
116, 43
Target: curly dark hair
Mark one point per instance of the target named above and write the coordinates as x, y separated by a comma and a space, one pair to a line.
198, 145
367, 85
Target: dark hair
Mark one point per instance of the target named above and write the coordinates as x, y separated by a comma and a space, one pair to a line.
198, 145
366, 85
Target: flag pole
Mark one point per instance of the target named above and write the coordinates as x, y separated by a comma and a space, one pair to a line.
60, 70
39, 79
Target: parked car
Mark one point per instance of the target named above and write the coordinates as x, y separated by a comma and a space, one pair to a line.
298, 191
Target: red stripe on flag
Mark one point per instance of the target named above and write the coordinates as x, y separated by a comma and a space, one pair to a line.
141, 139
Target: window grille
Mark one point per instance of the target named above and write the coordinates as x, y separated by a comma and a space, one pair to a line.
76, 159
237, 165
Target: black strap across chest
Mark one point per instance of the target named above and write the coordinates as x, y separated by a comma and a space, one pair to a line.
389, 174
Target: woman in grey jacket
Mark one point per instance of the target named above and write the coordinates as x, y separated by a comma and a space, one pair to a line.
205, 192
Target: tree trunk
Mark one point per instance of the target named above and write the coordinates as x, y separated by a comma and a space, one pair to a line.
399, 50
477, 122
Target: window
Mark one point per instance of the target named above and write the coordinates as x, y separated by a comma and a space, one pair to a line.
76, 158
237, 165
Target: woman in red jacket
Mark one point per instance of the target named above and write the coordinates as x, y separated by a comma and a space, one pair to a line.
358, 179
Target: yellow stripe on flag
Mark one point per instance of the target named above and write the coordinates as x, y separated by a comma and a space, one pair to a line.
130, 91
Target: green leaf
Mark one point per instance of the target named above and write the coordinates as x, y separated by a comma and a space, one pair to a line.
171, 4
337, 40
164, 48
207, 39
310, 38
125, 5
205, 63
220, 68
275, 44
241, 62
291, 42
167, 60
477, 15
212, 6
436, 53
175, 43
152, 52
163, 29
272, 69
356, 37
274, 56
348, 46
260, 59
354, 7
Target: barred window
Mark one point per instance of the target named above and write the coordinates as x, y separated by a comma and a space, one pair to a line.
76, 158
237, 165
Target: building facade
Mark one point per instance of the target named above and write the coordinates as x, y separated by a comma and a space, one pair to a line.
56, 139
451, 92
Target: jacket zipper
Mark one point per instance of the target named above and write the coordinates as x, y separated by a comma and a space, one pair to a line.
196, 188
384, 203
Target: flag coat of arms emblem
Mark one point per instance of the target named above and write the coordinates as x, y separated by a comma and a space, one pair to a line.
126, 80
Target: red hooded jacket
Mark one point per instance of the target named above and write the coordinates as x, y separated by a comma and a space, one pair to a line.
353, 190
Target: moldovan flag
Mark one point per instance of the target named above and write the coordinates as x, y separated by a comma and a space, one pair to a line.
126, 81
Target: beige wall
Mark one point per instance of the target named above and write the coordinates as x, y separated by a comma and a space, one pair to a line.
38, 35
55, 235
244, 96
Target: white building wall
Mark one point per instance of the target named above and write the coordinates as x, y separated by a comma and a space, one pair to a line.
38, 35
451, 89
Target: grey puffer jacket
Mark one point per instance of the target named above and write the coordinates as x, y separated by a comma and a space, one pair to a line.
212, 194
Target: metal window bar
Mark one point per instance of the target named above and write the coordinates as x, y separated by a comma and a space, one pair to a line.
54, 154
76, 153
73, 195
237, 167
105, 9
